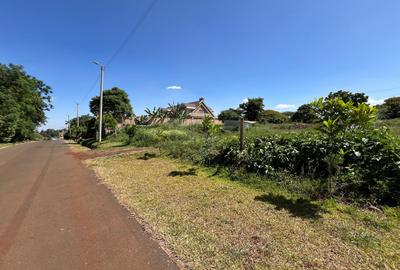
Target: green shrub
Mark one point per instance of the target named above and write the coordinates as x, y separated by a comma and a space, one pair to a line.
146, 137
374, 157
274, 117
131, 130
173, 134
90, 143
369, 169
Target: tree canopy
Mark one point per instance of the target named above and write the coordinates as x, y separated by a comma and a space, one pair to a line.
87, 127
304, 114
346, 96
115, 102
390, 108
230, 114
25, 100
50, 133
252, 108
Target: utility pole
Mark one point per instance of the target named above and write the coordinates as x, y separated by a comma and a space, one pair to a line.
68, 123
241, 132
101, 98
77, 114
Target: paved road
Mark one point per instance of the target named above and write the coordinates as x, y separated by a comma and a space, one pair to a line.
55, 215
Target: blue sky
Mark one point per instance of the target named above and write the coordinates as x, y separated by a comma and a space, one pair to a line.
287, 52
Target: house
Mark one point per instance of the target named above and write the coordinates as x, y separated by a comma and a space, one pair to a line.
197, 111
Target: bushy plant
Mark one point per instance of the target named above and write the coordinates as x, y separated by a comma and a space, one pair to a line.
274, 117
146, 137
173, 134
374, 156
369, 161
390, 108
130, 130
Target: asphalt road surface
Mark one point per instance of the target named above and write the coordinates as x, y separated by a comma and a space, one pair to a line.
55, 215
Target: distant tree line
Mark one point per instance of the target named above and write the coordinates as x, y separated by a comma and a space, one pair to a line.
24, 101
51, 133
253, 109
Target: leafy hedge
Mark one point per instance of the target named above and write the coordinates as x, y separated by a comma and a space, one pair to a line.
369, 170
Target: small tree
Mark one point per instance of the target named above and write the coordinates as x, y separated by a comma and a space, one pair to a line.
390, 108
304, 114
177, 112
339, 117
230, 114
252, 108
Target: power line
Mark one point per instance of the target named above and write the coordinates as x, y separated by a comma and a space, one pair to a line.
132, 32
123, 44
91, 88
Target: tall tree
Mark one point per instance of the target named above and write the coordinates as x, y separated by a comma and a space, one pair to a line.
26, 100
115, 102
252, 108
304, 114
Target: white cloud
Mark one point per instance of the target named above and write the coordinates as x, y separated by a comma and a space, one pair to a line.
285, 106
245, 100
375, 101
174, 87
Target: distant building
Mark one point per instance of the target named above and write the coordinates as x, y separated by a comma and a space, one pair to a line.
197, 109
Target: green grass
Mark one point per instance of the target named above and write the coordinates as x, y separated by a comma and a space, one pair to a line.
76, 147
4, 145
263, 129
211, 222
392, 124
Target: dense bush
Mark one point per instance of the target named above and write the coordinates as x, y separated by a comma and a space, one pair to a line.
370, 169
390, 108
374, 157
146, 137
274, 117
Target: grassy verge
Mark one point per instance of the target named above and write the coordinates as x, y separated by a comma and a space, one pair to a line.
211, 222
4, 145
392, 124
76, 147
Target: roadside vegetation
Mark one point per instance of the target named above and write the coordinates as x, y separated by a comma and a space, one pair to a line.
24, 101
4, 145
344, 153
211, 222
318, 188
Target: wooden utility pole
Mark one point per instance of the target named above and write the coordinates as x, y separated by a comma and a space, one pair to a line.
241, 132
77, 114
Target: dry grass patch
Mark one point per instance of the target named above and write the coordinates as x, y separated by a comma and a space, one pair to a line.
76, 147
4, 145
214, 223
